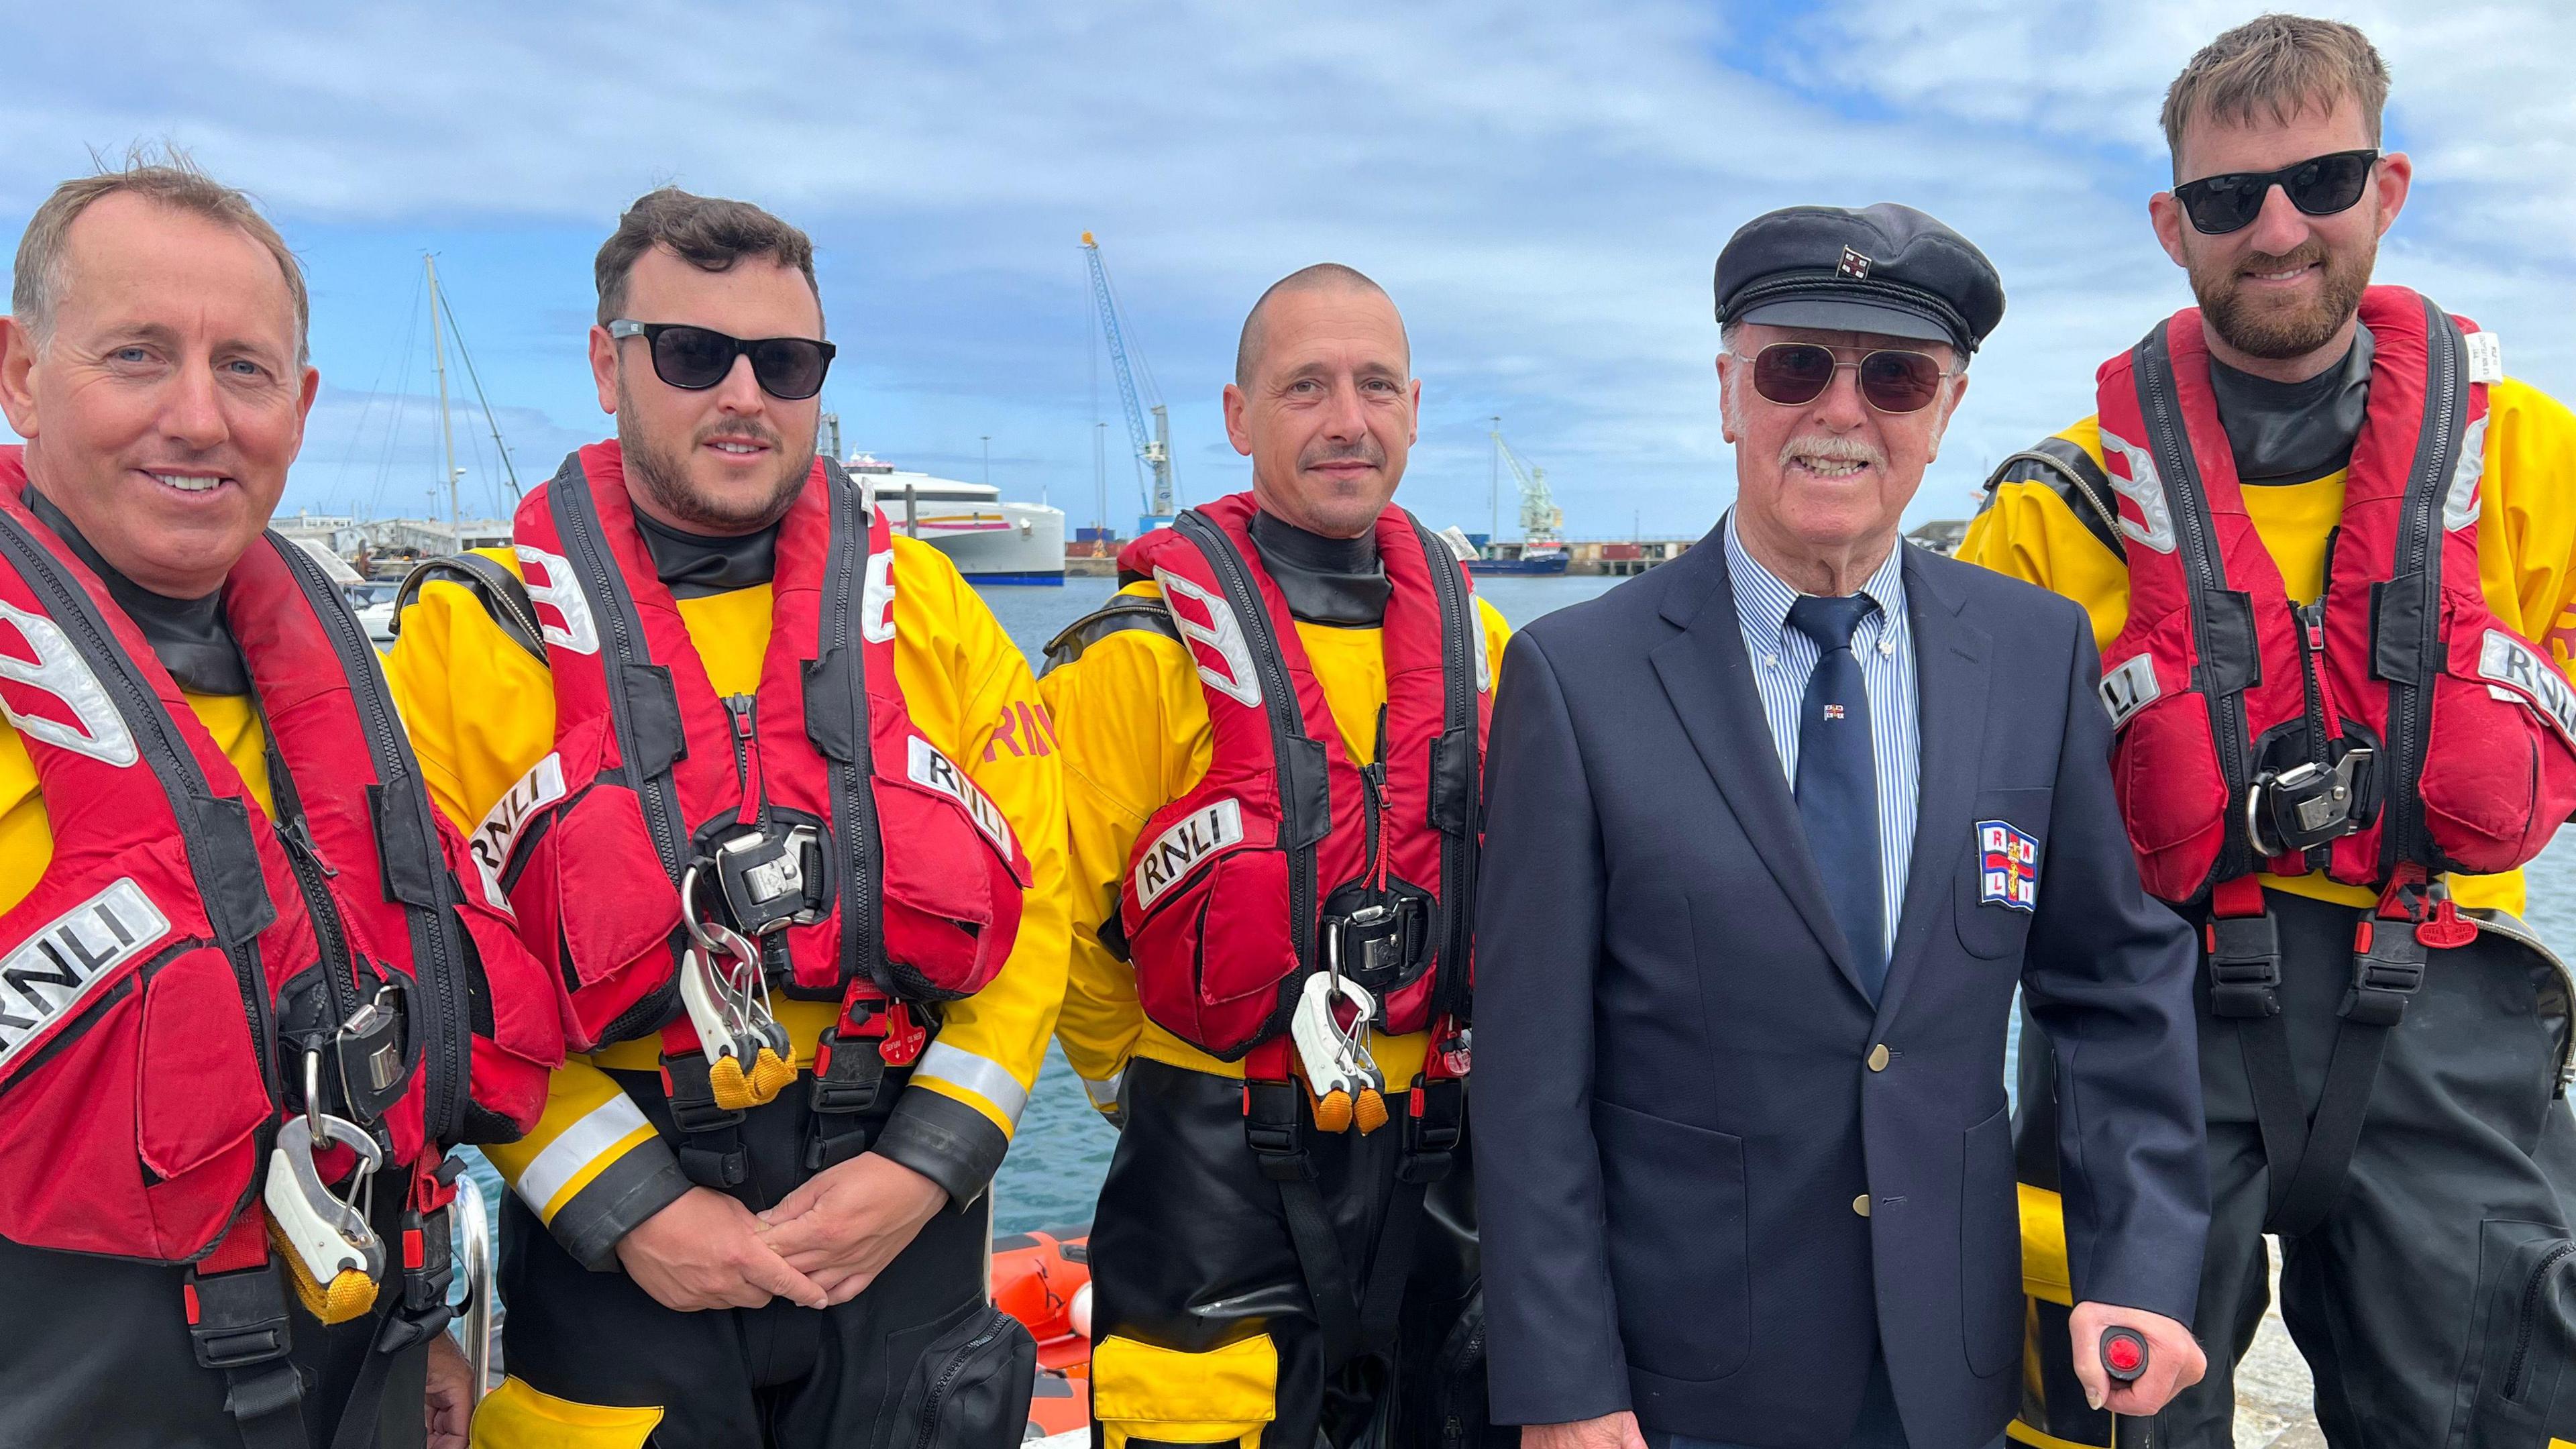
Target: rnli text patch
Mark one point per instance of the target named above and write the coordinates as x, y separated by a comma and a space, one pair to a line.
2529, 675
497, 837
70, 958
935, 771
2007, 866
1178, 851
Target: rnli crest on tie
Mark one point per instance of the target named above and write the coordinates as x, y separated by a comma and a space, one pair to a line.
2008, 866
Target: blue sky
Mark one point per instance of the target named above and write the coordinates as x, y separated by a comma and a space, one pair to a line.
1542, 187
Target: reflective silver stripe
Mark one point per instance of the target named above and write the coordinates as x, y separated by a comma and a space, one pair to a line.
581, 1144
983, 1076
1104, 1094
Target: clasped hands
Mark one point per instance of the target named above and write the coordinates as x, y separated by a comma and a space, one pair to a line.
822, 1244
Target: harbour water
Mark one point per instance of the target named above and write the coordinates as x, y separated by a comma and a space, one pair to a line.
1054, 1170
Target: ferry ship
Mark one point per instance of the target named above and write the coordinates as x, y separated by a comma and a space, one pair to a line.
992, 540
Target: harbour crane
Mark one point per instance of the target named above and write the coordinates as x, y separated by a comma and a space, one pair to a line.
1542, 546
1154, 449
1540, 517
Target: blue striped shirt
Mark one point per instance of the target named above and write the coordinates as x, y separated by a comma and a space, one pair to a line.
1783, 659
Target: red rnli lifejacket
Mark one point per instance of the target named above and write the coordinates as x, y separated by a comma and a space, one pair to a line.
174, 954
1233, 890
650, 765
2220, 687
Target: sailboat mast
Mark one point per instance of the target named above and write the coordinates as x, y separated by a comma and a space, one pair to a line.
446, 424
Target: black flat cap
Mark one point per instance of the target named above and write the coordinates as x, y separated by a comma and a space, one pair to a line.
1884, 268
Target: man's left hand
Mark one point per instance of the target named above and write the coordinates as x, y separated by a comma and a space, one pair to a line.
449, 1409
2174, 1359
844, 1224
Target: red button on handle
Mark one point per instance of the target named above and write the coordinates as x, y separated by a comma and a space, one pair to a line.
2124, 1354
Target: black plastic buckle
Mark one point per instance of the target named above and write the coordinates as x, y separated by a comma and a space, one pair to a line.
693, 1096
239, 1319
2384, 974
426, 1262
770, 878
711, 1167
2244, 966
848, 1071
1274, 1125
1433, 1130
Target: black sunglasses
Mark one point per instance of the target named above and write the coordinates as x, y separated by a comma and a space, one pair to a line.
2319, 186
1891, 380
697, 358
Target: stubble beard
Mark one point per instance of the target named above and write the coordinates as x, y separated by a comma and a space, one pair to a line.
2276, 333
664, 479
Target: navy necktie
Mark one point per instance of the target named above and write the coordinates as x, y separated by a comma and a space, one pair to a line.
1837, 784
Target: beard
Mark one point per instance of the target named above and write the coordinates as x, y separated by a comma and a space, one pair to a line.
663, 476
2274, 330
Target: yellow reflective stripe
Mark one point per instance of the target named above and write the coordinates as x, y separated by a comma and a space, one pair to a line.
954, 1066
580, 1153
2043, 1246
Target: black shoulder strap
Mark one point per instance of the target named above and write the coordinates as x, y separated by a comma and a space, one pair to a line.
503, 597
1121, 613
2078, 480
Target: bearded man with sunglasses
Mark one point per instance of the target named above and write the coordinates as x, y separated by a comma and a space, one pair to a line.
2328, 552
770, 791
1773, 832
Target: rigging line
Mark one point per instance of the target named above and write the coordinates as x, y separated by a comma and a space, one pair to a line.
401, 401
489, 421
375, 390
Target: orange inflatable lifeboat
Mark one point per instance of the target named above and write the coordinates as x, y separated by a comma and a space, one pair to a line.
1043, 1279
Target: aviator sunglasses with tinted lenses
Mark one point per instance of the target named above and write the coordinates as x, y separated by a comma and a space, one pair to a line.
1891, 380
697, 358
2319, 186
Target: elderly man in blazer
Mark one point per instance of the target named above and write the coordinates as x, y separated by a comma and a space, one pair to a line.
1773, 833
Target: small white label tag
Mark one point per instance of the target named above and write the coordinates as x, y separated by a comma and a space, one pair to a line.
2486, 357
68, 959
1177, 851
933, 770
498, 835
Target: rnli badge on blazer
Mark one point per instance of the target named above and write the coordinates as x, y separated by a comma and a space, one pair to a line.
2008, 866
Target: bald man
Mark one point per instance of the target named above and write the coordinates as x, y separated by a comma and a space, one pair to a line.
1272, 738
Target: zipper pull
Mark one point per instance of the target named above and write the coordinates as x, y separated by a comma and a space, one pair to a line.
743, 710
299, 836
2312, 626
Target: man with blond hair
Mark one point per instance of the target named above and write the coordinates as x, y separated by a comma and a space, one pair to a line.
241, 984
2328, 551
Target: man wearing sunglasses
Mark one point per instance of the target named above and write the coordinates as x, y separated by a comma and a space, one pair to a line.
770, 791
2327, 548
1773, 833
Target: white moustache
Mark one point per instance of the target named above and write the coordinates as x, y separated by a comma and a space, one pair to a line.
1832, 448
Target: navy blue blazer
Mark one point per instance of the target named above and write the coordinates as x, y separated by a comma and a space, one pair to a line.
1680, 1110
